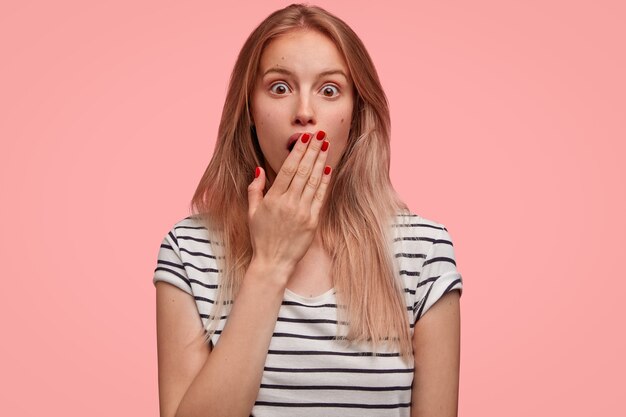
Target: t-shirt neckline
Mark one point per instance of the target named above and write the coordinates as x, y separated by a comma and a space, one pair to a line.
309, 300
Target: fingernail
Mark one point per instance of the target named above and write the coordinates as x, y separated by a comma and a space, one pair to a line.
305, 138
257, 172
327, 170
324, 145
320, 135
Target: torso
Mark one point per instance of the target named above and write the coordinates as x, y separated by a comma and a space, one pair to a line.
312, 276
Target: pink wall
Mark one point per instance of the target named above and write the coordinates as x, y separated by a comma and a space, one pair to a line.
108, 114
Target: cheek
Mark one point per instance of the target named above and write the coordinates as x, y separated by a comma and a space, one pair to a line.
343, 124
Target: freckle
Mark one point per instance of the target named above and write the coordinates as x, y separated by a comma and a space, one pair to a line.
342, 120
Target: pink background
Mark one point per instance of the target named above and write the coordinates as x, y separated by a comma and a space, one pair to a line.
108, 114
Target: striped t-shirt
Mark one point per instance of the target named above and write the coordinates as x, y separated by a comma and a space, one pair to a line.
307, 371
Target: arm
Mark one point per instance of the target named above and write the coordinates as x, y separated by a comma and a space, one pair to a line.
180, 347
436, 345
226, 381
282, 226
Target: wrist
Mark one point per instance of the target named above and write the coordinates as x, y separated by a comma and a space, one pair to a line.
271, 274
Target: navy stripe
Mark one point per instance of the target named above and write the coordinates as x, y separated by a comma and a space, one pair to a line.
173, 237
208, 316
202, 284
290, 320
340, 370
415, 238
191, 227
195, 239
410, 255
306, 336
198, 253
417, 225
169, 263
423, 301
174, 273
439, 259
452, 284
208, 300
293, 303
333, 405
427, 280
205, 270
335, 387
332, 353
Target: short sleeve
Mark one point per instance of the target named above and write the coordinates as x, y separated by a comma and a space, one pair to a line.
170, 267
439, 274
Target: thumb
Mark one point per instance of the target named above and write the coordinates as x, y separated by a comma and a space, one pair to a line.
255, 190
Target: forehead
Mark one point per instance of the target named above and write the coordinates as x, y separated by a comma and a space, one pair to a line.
302, 51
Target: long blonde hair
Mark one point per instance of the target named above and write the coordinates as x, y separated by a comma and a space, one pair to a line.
361, 205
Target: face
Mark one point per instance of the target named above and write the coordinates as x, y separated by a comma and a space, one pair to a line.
292, 95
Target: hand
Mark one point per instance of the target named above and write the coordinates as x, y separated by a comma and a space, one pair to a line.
284, 221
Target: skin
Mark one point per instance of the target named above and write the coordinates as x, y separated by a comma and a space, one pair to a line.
301, 101
437, 347
283, 104
195, 380
282, 224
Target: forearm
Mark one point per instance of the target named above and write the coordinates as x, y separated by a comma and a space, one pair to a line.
229, 381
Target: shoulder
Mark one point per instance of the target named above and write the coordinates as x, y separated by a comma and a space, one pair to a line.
198, 250
190, 231
189, 223
411, 227
193, 240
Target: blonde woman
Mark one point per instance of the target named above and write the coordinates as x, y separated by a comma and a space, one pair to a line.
300, 284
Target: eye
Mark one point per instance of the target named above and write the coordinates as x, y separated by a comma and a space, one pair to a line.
283, 88
281, 91
329, 87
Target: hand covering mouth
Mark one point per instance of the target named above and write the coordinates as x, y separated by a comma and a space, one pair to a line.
292, 140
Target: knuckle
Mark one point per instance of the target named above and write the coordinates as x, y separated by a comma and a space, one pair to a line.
312, 223
313, 181
287, 208
302, 217
303, 171
288, 169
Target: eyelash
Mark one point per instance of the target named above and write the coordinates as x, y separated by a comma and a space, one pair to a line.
325, 86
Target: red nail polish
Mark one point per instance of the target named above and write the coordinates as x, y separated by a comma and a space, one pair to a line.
324, 145
327, 170
305, 138
257, 172
320, 135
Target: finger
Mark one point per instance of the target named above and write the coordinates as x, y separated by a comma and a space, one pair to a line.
255, 191
289, 168
316, 175
318, 201
303, 173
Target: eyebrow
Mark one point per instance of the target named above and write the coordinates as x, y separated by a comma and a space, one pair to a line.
285, 71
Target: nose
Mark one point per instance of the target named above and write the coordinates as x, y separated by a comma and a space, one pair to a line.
304, 113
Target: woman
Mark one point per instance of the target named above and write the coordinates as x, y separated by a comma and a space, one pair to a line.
313, 276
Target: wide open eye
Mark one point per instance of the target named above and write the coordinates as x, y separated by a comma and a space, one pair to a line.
281, 91
329, 87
